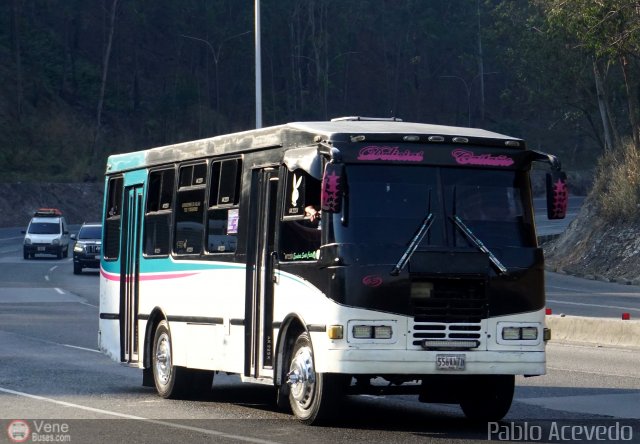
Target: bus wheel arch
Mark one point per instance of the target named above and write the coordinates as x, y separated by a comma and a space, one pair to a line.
290, 329
155, 318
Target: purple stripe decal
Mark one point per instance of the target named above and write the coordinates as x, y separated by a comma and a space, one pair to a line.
147, 277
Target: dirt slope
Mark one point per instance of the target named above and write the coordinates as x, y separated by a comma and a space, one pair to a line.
79, 202
593, 248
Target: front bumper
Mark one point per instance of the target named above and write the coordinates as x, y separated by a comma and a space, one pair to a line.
42, 249
87, 260
422, 362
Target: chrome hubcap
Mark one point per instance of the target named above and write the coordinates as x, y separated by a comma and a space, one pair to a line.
302, 377
163, 359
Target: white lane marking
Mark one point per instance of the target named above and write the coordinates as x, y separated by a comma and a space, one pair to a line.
53, 268
593, 305
46, 341
81, 348
138, 418
59, 290
86, 303
46, 277
607, 293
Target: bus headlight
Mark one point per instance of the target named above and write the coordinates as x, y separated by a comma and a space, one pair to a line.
362, 331
512, 333
382, 332
371, 330
529, 333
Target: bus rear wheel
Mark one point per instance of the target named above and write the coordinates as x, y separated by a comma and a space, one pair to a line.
313, 396
490, 399
170, 381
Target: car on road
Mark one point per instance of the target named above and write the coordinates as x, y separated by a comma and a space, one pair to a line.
86, 251
47, 233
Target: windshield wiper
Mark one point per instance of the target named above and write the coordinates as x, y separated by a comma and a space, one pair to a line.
478, 243
415, 241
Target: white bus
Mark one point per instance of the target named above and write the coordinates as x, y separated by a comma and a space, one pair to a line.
324, 257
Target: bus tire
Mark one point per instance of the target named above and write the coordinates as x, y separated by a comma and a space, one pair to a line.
490, 399
313, 397
171, 382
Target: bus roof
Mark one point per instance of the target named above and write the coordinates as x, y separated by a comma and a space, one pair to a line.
305, 133
389, 127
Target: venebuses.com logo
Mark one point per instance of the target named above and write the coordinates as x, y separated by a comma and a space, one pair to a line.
20, 430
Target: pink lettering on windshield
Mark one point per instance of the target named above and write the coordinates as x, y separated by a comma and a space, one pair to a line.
389, 153
464, 157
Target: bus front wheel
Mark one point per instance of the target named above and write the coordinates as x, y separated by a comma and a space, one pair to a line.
170, 381
313, 396
490, 399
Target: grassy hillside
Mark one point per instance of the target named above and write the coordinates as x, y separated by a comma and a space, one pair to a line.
79, 202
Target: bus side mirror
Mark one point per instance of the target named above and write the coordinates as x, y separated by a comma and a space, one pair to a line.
332, 188
557, 195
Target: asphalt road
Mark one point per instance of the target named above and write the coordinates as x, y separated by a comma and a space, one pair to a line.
582, 297
50, 370
53, 378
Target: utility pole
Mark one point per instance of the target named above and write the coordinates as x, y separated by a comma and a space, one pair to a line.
258, 67
480, 66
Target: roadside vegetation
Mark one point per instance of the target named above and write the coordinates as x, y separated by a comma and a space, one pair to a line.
616, 188
80, 80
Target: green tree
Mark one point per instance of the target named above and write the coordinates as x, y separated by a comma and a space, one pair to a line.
610, 31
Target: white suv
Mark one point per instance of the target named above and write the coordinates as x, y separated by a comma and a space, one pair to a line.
47, 233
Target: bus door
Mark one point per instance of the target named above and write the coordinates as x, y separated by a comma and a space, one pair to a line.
130, 272
259, 341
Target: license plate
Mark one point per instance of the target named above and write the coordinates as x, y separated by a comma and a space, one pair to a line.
40, 248
450, 362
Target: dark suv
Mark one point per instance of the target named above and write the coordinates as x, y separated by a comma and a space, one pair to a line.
86, 251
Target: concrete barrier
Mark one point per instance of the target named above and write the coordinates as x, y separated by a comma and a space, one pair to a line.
597, 331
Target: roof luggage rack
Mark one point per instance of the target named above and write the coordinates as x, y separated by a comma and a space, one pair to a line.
377, 119
47, 212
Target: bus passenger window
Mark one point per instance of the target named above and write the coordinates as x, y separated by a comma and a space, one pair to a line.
222, 231
112, 224
157, 218
223, 213
300, 229
189, 222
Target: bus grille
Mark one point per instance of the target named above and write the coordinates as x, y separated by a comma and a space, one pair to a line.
450, 332
453, 301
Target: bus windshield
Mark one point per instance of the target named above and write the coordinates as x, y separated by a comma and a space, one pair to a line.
387, 204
